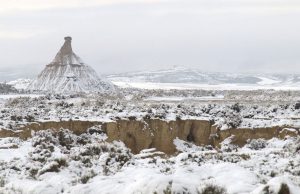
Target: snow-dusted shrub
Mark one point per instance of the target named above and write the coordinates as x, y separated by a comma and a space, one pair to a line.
213, 189
52, 166
29, 118
94, 133
229, 117
44, 138
232, 158
66, 138
42, 158
229, 147
110, 156
297, 105
2, 181
283, 189
53, 150
87, 175
236, 107
233, 119
256, 144
64, 104
20, 102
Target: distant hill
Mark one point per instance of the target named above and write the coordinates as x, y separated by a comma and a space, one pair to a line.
197, 77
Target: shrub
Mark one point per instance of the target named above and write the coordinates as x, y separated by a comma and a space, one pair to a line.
29, 118
284, 189
257, 144
297, 105
236, 107
213, 189
66, 138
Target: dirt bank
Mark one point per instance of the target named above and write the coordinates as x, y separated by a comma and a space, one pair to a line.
159, 134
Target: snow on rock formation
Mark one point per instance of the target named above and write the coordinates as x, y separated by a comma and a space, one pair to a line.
67, 73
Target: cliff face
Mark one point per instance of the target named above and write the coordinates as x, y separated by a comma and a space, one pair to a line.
139, 135
159, 134
67, 73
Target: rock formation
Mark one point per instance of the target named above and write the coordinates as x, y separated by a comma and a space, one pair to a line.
67, 73
159, 134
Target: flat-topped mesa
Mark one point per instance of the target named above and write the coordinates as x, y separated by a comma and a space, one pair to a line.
66, 56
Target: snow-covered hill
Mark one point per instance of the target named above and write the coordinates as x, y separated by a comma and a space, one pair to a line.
76, 76
20, 84
68, 73
184, 78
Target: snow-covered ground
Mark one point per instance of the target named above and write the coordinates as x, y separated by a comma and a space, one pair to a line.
249, 109
176, 98
196, 86
61, 162
12, 96
5, 97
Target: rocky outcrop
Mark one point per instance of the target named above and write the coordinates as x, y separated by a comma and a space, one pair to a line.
67, 73
159, 134
241, 135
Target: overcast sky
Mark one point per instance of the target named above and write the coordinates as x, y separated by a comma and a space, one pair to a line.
116, 36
